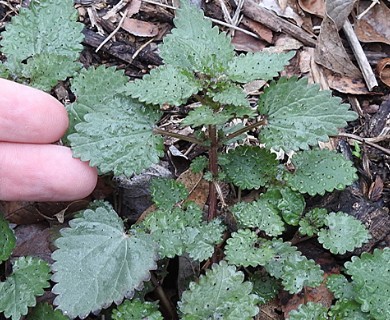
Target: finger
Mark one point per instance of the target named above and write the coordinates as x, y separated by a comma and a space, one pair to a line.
31, 172
30, 115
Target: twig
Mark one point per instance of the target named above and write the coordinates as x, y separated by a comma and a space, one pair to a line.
368, 141
373, 3
141, 48
177, 136
213, 20
361, 58
114, 32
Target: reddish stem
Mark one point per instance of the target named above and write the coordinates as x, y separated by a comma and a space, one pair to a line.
213, 167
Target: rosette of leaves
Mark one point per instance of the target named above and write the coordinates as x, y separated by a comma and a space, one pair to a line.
220, 294
343, 233
136, 309
313, 220
30, 276
42, 43
98, 263
318, 171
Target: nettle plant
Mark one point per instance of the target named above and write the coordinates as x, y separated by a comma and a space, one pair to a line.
98, 261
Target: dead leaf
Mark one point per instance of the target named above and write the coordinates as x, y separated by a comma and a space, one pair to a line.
374, 26
345, 84
140, 28
316, 7
258, 28
133, 7
197, 187
376, 189
330, 51
383, 69
288, 12
244, 42
339, 10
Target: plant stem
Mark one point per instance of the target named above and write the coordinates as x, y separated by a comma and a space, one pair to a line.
213, 167
177, 136
243, 130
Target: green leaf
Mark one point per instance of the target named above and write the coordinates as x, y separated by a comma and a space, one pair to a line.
344, 233
164, 85
371, 281
309, 311
299, 115
44, 311
7, 239
291, 206
167, 192
203, 116
246, 249
46, 69
97, 263
294, 269
318, 171
339, 285
257, 66
118, 138
47, 26
313, 220
94, 89
220, 294
199, 164
259, 214
249, 167
347, 310
4, 72
264, 286
28, 279
230, 95
135, 310
178, 231
194, 44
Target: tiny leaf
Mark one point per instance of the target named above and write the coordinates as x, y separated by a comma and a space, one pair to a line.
203, 116
7, 239
136, 309
249, 167
257, 66
97, 263
164, 85
309, 311
339, 285
167, 192
118, 138
220, 294
348, 309
344, 233
230, 95
28, 279
318, 171
44, 311
299, 115
313, 220
265, 287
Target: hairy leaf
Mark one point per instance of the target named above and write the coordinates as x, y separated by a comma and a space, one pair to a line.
246, 249
97, 263
203, 116
257, 66
299, 115
309, 311
339, 285
313, 220
136, 309
318, 171
294, 269
178, 231
164, 85
7, 239
344, 233
46, 69
199, 164
371, 282
28, 279
44, 311
194, 44
230, 95
259, 214
220, 294
249, 167
118, 138
167, 192
264, 286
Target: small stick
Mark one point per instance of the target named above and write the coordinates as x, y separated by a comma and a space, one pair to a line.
361, 58
367, 141
373, 3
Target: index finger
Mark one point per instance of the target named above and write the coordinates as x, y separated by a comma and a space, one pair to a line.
29, 115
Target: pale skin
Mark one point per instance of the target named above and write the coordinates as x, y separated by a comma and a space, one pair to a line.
31, 167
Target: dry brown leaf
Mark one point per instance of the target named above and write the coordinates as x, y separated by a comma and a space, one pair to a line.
383, 69
140, 28
197, 187
345, 84
244, 42
288, 12
376, 189
330, 51
316, 7
339, 10
258, 28
133, 7
374, 26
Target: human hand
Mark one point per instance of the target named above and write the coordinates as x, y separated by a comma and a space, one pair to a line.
32, 169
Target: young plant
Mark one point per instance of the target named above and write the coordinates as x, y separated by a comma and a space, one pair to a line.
99, 261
